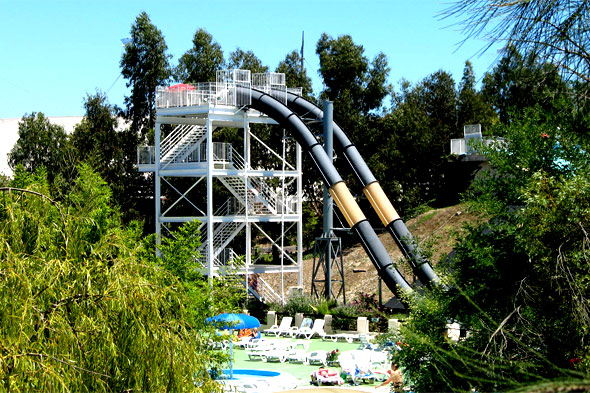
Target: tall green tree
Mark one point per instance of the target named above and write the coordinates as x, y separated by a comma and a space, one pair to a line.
357, 88
295, 74
145, 65
200, 63
246, 60
518, 82
109, 147
471, 106
439, 97
356, 85
40, 144
553, 31
415, 141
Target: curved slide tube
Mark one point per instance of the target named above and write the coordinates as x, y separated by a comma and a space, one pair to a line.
373, 191
342, 196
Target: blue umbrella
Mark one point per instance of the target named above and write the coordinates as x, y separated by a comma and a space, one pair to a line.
230, 321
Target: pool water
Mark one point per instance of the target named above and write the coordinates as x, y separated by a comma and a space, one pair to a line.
242, 373
260, 381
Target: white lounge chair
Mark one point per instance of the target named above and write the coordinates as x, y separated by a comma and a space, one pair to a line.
306, 323
318, 328
318, 357
261, 349
348, 337
365, 342
253, 343
278, 329
357, 366
279, 352
297, 355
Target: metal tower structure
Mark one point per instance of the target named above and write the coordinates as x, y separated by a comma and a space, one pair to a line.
200, 176
327, 253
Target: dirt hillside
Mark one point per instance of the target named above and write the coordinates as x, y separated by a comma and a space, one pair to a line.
435, 230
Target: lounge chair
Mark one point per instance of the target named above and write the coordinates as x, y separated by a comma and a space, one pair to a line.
348, 366
318, 357
278, 352
326, 376
318, 328
253, 343
261, 349
358, 366
306, 323
278, 329
365, 342
297, 355
348, 337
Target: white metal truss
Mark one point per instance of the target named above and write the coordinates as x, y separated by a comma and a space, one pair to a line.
189, 151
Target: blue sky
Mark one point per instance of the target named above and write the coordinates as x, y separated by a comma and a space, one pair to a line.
54, 53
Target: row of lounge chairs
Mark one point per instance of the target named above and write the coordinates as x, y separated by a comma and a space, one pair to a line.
269, 350
363, 366
356, 367
309, 329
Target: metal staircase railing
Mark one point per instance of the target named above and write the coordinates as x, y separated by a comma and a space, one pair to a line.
223, 232
224, 257
261, 197
180, 142
273, 201
264, 292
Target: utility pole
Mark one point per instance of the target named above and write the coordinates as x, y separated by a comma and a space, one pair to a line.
302, 45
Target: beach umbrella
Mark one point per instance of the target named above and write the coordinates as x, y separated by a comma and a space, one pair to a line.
182, 86
231, 321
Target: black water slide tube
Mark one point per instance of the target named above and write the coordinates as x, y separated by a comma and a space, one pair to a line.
350, 210
372, 189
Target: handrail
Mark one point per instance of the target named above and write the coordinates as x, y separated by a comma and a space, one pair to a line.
266, 291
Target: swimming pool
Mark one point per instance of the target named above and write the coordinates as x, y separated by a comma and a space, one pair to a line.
257, 381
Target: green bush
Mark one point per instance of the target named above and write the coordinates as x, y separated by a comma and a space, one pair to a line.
81, 308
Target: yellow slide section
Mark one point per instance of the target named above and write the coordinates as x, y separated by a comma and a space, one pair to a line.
380, 203
348, 206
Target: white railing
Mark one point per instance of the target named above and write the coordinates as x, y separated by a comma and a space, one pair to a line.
265, 194
222, 153
231, 87
272, 83
459, 145
295, 90
178, 134
223, 232
226, 257
146, 155
266, 292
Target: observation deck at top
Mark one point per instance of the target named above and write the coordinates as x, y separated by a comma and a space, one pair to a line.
223, 102
224, 91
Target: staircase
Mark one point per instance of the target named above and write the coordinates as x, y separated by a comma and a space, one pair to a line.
264, 292
261, 197
224, 257
181, 142
223, 232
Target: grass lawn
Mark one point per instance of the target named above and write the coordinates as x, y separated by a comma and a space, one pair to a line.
298, 370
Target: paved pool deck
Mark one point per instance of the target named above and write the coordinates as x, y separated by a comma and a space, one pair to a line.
302, 371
